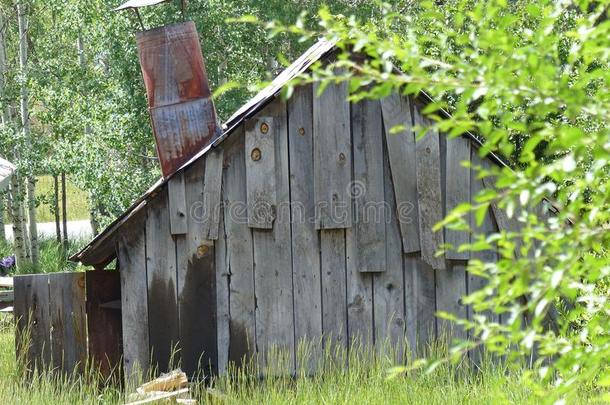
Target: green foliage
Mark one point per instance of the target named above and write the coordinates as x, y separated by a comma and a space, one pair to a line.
530, 78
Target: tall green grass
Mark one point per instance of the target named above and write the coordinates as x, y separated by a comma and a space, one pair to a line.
53, 258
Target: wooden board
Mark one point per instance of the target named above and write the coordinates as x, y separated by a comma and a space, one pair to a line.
450, 288
334, 300
273, 259
457, 191
104, 329
396, 111
261, 135
212, 189
162, 284
68, 323
31, 311
223, 316
332, 157
131, 253
389, 287
239, 260
305, 238
430, 203
422, 320
196, 276
359, 297
368, 188
178, 210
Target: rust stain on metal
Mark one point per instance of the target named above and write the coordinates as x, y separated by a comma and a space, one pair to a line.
182, 113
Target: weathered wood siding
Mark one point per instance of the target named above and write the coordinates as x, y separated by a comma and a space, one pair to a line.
324, 236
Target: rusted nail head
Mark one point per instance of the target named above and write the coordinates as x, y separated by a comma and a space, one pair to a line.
256, 154
301, 131
264, 128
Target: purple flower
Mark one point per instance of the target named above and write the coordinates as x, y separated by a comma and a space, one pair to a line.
7, 262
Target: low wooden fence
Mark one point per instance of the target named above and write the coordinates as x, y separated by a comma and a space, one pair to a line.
65, 321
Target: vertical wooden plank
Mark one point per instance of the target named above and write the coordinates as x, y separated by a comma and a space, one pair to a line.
67, 306
457, 189
430, 203
32, 314
261, 171
450, 288
334, 300
240, 258
273, 256
305, 238
332, 157
196, 276
368, 187
162, 283
359, 297
212, 185
104, 321
473, 282
423, 302
396, 111
223, 316
389, 287
178, 210
131, 253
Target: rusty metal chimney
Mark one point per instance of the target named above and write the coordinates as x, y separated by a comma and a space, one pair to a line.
181, 109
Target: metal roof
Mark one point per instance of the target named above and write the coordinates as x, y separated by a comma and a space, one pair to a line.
138, 4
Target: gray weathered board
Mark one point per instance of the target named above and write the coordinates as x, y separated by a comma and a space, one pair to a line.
178, 209
332, 157
305, 238
131, 253
162, 283
273, 256
261, 135
428, 160
457, 191
212, 189
397, 114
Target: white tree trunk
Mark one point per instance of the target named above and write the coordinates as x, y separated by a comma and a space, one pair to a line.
2, 210
21, 256
25, 122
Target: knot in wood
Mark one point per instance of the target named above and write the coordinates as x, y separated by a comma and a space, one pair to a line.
202, 250
256, 154
264, 128
301, 131
342, 157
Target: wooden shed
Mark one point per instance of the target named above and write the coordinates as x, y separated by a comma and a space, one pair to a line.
305, 221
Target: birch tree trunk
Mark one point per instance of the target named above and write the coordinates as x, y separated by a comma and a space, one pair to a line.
25, 122
56, 208
64, 211
19, 247
2, 211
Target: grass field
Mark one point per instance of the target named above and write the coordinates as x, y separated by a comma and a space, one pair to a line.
77, 206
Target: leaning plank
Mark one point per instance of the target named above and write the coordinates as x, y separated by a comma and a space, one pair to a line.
212, 184
457, 189
305, 238
196, 278
103, 321
273, 260
430, 203
260, 171
368, 188
450, 288
332, 157
239, 260
334, 301
33, 320
131, 253
390, 287
178, 209
67, 306
401, 148
162, 283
